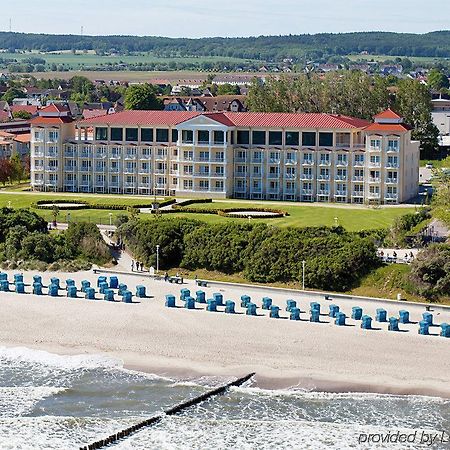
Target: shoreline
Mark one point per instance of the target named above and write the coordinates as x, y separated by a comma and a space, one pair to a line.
188, 344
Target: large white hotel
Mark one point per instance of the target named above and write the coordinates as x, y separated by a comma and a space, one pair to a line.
273, 156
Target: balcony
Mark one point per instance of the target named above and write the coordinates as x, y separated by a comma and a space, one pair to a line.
100, 155
240, 174
274, 160
359, 146
51, 168
373, 195
99, 169
358, 194
202, 174
374, 149
240, 188
114, 169
157, 171
85, 169
38, 154
307, 191
129, 170
392, 150
358, 164
130, 156
323, 177
273, 191
375, 164
340, 177
217, 160
308, 162
70, 168
115, 156
51, 155
217, 174
341, 193
69, 154
39, 168
391, 165
160, 157
323, 192
291, 162
290, 175
240, 159
391, 180
340, 145
289, 191
38, 182
358, 178
389, 196
257, 160
203, 159
374, 180
324, 163
129, 184
306, 176
273, 176
145, 156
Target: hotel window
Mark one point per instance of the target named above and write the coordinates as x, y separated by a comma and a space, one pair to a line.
275, 137
100, 166
100, 179
256, 170
117, 134
393, 144
342, 159
116, 152
161, 152
188, 170
324, 158
219, 185
290, 156
187, 184
392, 176
147, 134
219, 137
188, 155
130, 179
392, 161
257, 185
274, 170
309, 139
259, 138
53, 136
187, 136
341, 174
374, 189
101, 134
392, 190
38, 135
375, 143
243, 137
274, 156
174, 136
359, 159
162, 135
375, 159
219, 171
292, 138
146, 152
375, 174
204, 156
326, 139
219, 156
130, 152
204, 185
308, 158
257, 156
203, 136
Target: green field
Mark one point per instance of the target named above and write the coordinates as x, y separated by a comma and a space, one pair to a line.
78, 60
300, 215
381, 58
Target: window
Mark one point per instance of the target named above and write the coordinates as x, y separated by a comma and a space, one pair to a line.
309, 139
187, 137
174, 136
187, 184
147, 134
131, 134
292, 138
219, 137
275, 137
117, 134
259, 137
375, 143
162, 135
101, 134
243, 137
325, 139
359, 160
203, 136
393, 145
52, 136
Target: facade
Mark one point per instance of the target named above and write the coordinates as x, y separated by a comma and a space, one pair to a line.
273, 156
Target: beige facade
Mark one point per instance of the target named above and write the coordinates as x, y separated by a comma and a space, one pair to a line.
216, 156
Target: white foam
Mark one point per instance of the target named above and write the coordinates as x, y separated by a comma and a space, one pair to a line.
17, 401
69, 362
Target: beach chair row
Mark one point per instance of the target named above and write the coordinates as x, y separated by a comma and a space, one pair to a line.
106, 288
314, 312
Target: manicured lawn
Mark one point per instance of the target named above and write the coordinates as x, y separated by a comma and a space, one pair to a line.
302, 215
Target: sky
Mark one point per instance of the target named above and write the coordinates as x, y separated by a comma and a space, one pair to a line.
200, 18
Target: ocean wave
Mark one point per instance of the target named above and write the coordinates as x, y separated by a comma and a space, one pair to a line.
18, 401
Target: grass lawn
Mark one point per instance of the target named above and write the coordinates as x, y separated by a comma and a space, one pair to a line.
301, 215
437, 163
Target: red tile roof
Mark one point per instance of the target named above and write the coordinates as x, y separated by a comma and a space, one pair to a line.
388, 114
4, 116
50, 120
23, 138
142, 118
90, 113
388, 127
55, 108
244, 119
27, 108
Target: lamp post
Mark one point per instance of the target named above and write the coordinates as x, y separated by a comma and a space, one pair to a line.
303, 274
157, 258
110, 219
336, 222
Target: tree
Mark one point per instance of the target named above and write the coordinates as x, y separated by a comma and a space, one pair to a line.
437, 80
55, 214
413, 103
22, 115
228, 89
143, 97
17, 169
11, 94
5, 170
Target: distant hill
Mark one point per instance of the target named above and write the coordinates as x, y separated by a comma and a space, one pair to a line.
264, 48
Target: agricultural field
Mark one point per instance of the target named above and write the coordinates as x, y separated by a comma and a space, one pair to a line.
381, 58
80, 59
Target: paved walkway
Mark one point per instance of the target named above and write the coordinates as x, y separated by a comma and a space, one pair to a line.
403, 255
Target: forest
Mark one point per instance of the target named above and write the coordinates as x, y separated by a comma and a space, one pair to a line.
264, 48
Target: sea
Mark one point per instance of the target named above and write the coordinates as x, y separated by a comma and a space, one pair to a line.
49, 401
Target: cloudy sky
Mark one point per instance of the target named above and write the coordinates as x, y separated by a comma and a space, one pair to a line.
182, 18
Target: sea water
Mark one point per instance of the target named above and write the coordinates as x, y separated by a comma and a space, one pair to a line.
64, 402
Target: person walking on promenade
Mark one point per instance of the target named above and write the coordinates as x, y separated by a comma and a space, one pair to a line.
166, 276
132, 265
137, 266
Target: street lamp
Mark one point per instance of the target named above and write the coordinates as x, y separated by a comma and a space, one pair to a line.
303, 274
336, 221
110, 219
157, 258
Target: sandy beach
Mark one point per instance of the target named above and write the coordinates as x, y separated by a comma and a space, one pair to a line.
183, 343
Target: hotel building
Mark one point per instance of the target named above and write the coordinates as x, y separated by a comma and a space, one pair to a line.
273, 156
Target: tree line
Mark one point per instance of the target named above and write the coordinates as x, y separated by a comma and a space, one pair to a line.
435, 44
335, 259
350, 93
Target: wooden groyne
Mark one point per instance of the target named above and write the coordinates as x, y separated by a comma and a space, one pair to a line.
169, 412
